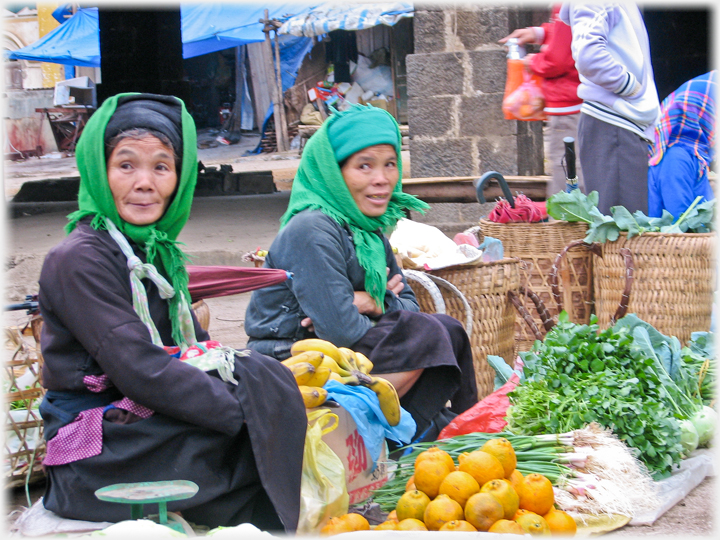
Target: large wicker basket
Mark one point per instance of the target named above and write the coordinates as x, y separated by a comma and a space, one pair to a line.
24, 442
484, 287
673, 281
537, 246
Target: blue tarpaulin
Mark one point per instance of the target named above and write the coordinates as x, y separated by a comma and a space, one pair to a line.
205, 28
76, 42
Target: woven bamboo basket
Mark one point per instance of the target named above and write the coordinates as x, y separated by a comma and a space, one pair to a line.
537, 246
673, 281
484, 287
24, 442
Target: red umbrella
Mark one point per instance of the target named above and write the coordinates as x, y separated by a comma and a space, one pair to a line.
214, 281
518, 209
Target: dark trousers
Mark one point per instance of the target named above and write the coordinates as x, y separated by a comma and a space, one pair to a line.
615, 164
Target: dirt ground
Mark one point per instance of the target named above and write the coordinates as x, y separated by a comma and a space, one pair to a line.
219, 231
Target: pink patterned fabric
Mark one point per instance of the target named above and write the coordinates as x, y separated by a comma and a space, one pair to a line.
83, 437
97, 383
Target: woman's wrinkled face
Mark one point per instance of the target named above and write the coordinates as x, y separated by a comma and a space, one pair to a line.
371, 175
142, 177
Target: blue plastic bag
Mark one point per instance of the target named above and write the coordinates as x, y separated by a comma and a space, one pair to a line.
364, 407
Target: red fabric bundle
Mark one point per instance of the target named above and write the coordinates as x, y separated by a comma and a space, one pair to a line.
525, 211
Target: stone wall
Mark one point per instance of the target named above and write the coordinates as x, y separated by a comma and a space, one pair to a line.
456, 81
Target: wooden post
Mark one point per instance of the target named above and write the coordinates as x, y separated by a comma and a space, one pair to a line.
278, 75
277, 93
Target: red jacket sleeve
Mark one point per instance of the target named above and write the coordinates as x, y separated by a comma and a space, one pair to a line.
555, 57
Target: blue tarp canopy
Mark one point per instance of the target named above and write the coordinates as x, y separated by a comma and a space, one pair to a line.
76, 42
206, 28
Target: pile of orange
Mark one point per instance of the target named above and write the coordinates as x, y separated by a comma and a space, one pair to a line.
482, 492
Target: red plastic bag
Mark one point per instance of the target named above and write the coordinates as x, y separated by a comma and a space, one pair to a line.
486, 416
527, 102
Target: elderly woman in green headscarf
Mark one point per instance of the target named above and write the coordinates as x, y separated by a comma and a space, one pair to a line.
136, 392
347, 287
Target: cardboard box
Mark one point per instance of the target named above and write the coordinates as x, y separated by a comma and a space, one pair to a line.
77, 91
360, 475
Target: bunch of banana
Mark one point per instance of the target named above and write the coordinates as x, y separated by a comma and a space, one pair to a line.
351, 367
310, 375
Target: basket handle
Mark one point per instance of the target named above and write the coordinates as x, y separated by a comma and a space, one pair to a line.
431, 282
513, 297
553, 275
629, 276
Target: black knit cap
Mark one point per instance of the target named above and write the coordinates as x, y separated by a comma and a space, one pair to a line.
149, 111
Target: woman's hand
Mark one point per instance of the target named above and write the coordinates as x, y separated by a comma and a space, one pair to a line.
365, 303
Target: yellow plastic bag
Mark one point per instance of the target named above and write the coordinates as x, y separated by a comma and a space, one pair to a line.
323, 491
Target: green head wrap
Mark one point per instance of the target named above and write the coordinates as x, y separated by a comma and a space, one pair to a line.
319, 184
158, 240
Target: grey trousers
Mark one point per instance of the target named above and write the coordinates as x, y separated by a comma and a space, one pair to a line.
615, 164
560, 127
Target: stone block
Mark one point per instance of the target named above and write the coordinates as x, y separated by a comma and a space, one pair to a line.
441, 158
482, 115
481, 26
489, 70
434, 74
429, 30
498, 154
430, 116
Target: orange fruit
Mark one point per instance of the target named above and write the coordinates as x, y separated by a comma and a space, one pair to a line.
430, 473
482, 510
435, 453
560, 523
520, 512
534, 524
411, 524
502, 449
388, 525
458, 525
516, 481
392, 516
503, 491
537, 494
356, 521
482, 466
441, 510
335, 525
506, 526
410, 484
459, 485
411, 504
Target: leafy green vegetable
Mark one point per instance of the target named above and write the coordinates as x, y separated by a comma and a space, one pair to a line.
576, 206
620, 378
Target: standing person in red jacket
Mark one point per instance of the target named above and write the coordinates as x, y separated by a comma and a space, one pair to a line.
555, 64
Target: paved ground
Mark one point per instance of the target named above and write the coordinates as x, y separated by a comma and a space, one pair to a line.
220, 231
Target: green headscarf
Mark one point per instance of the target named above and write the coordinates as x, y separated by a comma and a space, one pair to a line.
158, 240
319, 185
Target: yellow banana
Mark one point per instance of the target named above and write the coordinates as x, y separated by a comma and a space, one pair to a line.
313, 396
363, 362
332, 365
313, 357
388, 398
315, 344
350, 380
320, 377
348, 359
303, 372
